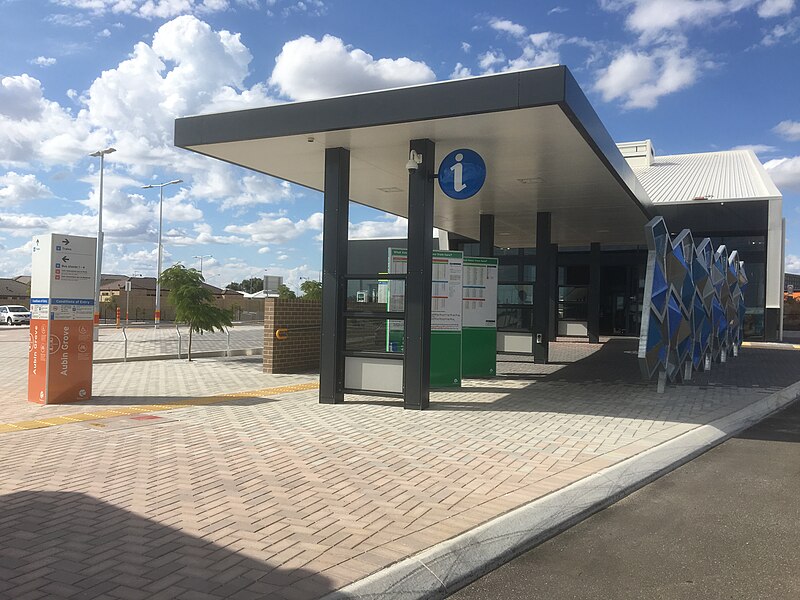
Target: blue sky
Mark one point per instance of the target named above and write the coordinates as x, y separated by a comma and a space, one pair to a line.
80, 75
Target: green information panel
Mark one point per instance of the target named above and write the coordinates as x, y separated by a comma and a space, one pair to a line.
446, 307
479, 319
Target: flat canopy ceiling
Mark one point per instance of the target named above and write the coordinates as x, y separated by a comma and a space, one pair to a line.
544, 146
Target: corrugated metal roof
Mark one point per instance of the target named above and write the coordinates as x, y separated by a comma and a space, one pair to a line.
717, 176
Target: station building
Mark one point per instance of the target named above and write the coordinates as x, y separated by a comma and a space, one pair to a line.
563, 208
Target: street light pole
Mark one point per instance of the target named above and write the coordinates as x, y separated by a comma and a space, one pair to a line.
161, 187
201, 257
97, 282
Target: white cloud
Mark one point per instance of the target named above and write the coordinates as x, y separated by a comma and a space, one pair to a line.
465, 47
489, 59
757, 148
788, 130
17, 189
307, 69
391, 227
283, 257
506, 26
792, 263
775, 8
785, 172
556, 10
148, 9
651, 18
640, 79
257, 189
790, 31
43, 61
275, 229
460, 72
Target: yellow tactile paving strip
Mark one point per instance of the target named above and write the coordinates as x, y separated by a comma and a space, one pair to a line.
122, 411
770, 345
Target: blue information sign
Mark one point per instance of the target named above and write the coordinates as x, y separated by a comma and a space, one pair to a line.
462, 173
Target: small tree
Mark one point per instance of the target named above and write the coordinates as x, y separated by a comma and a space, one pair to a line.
312, 289
285, 293
193, 302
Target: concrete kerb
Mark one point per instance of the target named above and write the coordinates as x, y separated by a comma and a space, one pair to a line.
450, 565
199, 354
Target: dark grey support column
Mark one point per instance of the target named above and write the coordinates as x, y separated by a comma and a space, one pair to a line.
417, 355
543, 291
334, 268
593, 318
487, 236
553, 291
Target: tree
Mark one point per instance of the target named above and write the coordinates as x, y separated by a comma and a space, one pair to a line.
312, 289
236, 287
252, 285
193, 302
284, 293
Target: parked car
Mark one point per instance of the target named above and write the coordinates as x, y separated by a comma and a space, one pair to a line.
14, 314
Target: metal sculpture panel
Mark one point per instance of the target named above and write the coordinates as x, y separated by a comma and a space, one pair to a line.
693, 305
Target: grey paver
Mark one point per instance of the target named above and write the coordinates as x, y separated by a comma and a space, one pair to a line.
286, 490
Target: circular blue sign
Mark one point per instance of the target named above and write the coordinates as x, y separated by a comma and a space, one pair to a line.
462, 174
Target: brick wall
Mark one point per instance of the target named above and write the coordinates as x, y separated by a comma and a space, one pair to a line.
299, 352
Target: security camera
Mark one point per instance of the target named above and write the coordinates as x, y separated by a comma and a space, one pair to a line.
414, 161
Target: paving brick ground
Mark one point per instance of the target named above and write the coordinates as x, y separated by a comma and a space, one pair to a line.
286, 498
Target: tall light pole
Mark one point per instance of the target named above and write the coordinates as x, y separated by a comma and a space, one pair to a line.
96, 328
201, 257
161, 187
128, 295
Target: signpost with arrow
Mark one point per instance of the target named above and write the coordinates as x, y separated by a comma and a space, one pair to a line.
62, 306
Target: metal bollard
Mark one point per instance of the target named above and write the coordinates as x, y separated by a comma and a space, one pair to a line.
125, 351
177, 329
228, 343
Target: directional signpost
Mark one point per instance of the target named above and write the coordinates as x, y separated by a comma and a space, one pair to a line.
62, 305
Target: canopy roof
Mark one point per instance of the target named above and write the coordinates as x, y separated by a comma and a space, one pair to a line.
544, 146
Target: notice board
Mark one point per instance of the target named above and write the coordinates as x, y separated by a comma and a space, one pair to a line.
446, 313
62, 316
479, 332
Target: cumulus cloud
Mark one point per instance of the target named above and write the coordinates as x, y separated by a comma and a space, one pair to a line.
391, 227
785, 172
307, 69
147, 9
792, 263
43, 61
17, 189
775, 8
652, 18
508, 27
275, 228
757, 148
788, 130
787, 31
639, 78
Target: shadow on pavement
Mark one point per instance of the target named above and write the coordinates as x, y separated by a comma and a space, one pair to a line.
70, 545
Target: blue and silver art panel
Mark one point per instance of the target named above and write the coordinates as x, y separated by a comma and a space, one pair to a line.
693, 304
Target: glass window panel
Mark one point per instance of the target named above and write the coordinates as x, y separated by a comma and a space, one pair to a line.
568, 311
573, 293
514, 294
508, 273
374, 335
471, 249
514, 319
506, 251
573, 275
373, 294
528, 272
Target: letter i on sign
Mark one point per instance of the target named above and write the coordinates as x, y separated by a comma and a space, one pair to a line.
458, 173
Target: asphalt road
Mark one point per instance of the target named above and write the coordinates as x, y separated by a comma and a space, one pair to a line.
726, 525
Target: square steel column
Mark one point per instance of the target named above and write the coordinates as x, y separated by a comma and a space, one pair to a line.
336, 210
487, 236
417, 355
543, 290
593, 317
